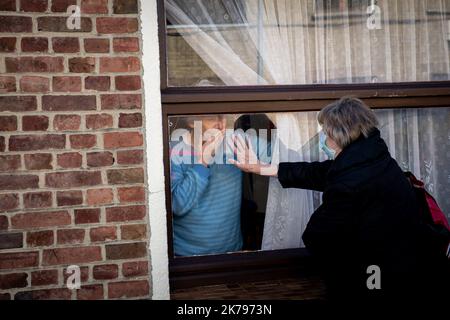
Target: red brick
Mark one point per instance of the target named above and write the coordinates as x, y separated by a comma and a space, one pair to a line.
3, 222
5, 296
40, 219
34, 123
73, 179
71, 255
37, 199
59, 24
125, 176
128, 83
126, 44
11, 240
126, 251
65, 45
7, 44
38, 161
33, 5
82, 141
119, 64
8, 5
34, 84
63, 122
34, 44
40, 238
69, 198
99, 121
131, 194
34, 64
96, 45
117, 25
84, 274
68, 103
70, 160
8, 123
16, 260
70, 236
19, 182
18, 104
114, 140
82, 65
135, 269
37, 142
9, 163
66, 84
15, 24
105, 272
121, 101
100, 159
99, 196
125, 6
130, 120
62, 5
13, 280
2, 144
97, 83
94, 6
84, 216
44, 277
129, 213
90, 292
128, 289
8, 202
103, 234
44, 294
130, 157
7, 84
134, 232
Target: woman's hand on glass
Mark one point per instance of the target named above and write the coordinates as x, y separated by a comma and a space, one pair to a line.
247, 160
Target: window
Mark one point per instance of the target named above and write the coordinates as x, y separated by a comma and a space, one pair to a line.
253, 62
238, 42
245, 212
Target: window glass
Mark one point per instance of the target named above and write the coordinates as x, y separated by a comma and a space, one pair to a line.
271, 42
216, 208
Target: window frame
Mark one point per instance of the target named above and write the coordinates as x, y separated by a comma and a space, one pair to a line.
198, 270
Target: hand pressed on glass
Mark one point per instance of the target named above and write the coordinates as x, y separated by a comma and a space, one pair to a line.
248, 161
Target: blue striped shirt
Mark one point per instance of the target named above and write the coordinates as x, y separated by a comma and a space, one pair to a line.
206, 205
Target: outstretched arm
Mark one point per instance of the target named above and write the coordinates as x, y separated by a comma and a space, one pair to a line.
304, 175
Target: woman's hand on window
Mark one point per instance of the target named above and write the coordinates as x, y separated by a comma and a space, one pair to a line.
247, 160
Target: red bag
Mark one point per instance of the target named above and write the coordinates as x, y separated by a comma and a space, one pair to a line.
432, 215
436, 213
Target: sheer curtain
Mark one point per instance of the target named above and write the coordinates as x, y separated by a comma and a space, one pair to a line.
261, 42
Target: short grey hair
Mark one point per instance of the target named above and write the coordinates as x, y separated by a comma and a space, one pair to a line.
346, 120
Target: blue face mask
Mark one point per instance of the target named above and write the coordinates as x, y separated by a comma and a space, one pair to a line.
331, 154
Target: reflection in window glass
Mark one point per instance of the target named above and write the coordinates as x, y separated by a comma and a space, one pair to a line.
218, 209
270, 42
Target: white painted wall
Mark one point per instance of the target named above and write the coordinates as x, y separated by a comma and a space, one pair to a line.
154, 151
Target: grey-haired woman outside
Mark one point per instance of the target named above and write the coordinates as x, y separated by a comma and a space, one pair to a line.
369, 216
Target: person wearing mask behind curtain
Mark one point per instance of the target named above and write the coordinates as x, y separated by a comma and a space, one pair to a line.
369, 214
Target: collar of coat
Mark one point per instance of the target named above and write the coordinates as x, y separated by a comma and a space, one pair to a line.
364, 155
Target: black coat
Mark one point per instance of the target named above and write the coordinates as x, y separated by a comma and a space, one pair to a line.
369, 216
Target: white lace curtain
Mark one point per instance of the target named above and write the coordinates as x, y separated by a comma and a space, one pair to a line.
260, 42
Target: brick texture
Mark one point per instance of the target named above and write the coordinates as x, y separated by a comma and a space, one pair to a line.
72, 151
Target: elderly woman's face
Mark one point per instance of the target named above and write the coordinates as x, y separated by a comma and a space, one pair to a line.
333, 145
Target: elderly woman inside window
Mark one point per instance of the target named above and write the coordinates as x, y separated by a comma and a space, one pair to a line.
369, 216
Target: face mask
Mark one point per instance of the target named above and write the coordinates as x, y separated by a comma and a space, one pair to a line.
331, 154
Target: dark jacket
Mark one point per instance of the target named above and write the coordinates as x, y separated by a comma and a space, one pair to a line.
368, 217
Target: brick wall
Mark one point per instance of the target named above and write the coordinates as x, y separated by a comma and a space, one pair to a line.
72, 174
